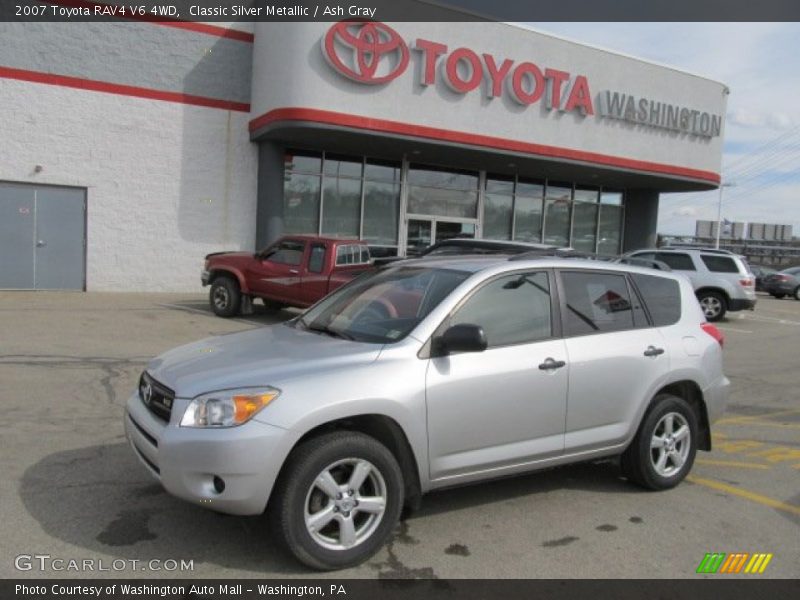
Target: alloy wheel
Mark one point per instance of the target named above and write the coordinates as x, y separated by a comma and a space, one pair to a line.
670, 444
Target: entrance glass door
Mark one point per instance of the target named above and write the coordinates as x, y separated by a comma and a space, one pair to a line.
421, 233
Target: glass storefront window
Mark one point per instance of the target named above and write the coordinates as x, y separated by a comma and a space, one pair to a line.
557, 215
298, 160
609, 197
442, 202
382, 171
498, 209
528, 219
381, 211
342, 166
586, 194
428, 176
610, 229
341, 206
584, 226
301, 203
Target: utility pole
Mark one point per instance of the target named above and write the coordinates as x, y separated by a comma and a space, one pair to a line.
719, 210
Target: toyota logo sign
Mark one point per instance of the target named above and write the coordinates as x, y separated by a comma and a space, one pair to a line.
365, 51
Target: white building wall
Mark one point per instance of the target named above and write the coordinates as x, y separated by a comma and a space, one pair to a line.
166, 182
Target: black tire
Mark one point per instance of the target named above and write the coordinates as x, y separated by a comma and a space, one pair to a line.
778, 296
640, 460
714, 305
297, 490
225, 297
797, 293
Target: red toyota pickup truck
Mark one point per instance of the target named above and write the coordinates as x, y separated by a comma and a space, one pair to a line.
296, 270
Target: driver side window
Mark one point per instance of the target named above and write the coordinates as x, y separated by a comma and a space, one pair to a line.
513, 309
286, 253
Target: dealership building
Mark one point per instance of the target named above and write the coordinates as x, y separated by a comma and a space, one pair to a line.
130, 149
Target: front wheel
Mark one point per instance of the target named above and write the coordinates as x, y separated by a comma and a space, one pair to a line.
713, 304
663, 451
225, 297
797, 293
338, 499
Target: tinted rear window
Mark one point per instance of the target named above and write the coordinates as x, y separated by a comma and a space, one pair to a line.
719, 264
662, 297
681, 262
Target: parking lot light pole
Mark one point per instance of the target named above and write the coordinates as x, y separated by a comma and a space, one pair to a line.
719, 210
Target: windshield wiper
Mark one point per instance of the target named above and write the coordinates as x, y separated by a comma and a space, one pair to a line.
328, 331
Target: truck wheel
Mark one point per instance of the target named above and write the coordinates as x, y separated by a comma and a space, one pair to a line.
663, 451
225, 297
337, 500
714, 305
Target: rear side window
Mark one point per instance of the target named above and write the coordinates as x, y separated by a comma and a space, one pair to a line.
596, 303
662, 297
719, 264
352, 254
316, 260
511, 310
676, 260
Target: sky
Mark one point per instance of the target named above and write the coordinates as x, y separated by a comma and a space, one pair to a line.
760, 63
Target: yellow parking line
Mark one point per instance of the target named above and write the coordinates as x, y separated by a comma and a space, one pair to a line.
730, 463
746, 418
746, 494
770, 424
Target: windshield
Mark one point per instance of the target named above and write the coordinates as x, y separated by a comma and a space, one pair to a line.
381, 306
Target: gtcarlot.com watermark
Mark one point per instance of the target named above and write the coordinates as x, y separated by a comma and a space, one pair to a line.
46, 562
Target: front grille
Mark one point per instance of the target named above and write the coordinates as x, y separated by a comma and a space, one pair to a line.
157, 397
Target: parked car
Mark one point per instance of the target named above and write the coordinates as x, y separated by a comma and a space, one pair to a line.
760, 273
294, 271
722, 280
784, 283
429, 374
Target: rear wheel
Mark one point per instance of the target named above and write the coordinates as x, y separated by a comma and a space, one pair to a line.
663, 451
713, 304
797, 293
338, 499
225, 297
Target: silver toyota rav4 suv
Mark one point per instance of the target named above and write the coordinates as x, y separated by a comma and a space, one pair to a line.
427, 374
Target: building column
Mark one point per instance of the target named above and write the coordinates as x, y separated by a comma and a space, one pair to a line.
641, 219
269, 202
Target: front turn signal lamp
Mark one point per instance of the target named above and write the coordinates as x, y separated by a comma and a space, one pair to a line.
228, 408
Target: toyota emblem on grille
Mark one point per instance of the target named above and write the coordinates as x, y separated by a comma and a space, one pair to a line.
147, 392
358, 48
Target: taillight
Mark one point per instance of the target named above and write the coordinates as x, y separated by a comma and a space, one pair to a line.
782, 277
714, 333
746, 282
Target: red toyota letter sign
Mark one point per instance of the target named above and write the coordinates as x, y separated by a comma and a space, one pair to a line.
364, 45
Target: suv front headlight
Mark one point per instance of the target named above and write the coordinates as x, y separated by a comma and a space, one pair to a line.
227, 408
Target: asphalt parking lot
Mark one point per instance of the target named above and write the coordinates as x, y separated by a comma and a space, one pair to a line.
72, 489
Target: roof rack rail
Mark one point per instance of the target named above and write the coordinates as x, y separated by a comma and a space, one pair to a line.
571, 253
701, 248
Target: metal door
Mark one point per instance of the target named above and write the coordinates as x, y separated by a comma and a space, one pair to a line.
17, 227
42, 237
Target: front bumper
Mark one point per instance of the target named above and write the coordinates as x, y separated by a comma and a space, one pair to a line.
205, 277
186, 460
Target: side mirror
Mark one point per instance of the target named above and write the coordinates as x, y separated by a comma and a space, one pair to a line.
461, 338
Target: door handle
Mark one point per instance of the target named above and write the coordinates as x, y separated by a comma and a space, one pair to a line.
41, 244
293, 271
550, 364
653, 351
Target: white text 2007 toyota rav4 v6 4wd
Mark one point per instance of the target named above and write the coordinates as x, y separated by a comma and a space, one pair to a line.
426, 374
